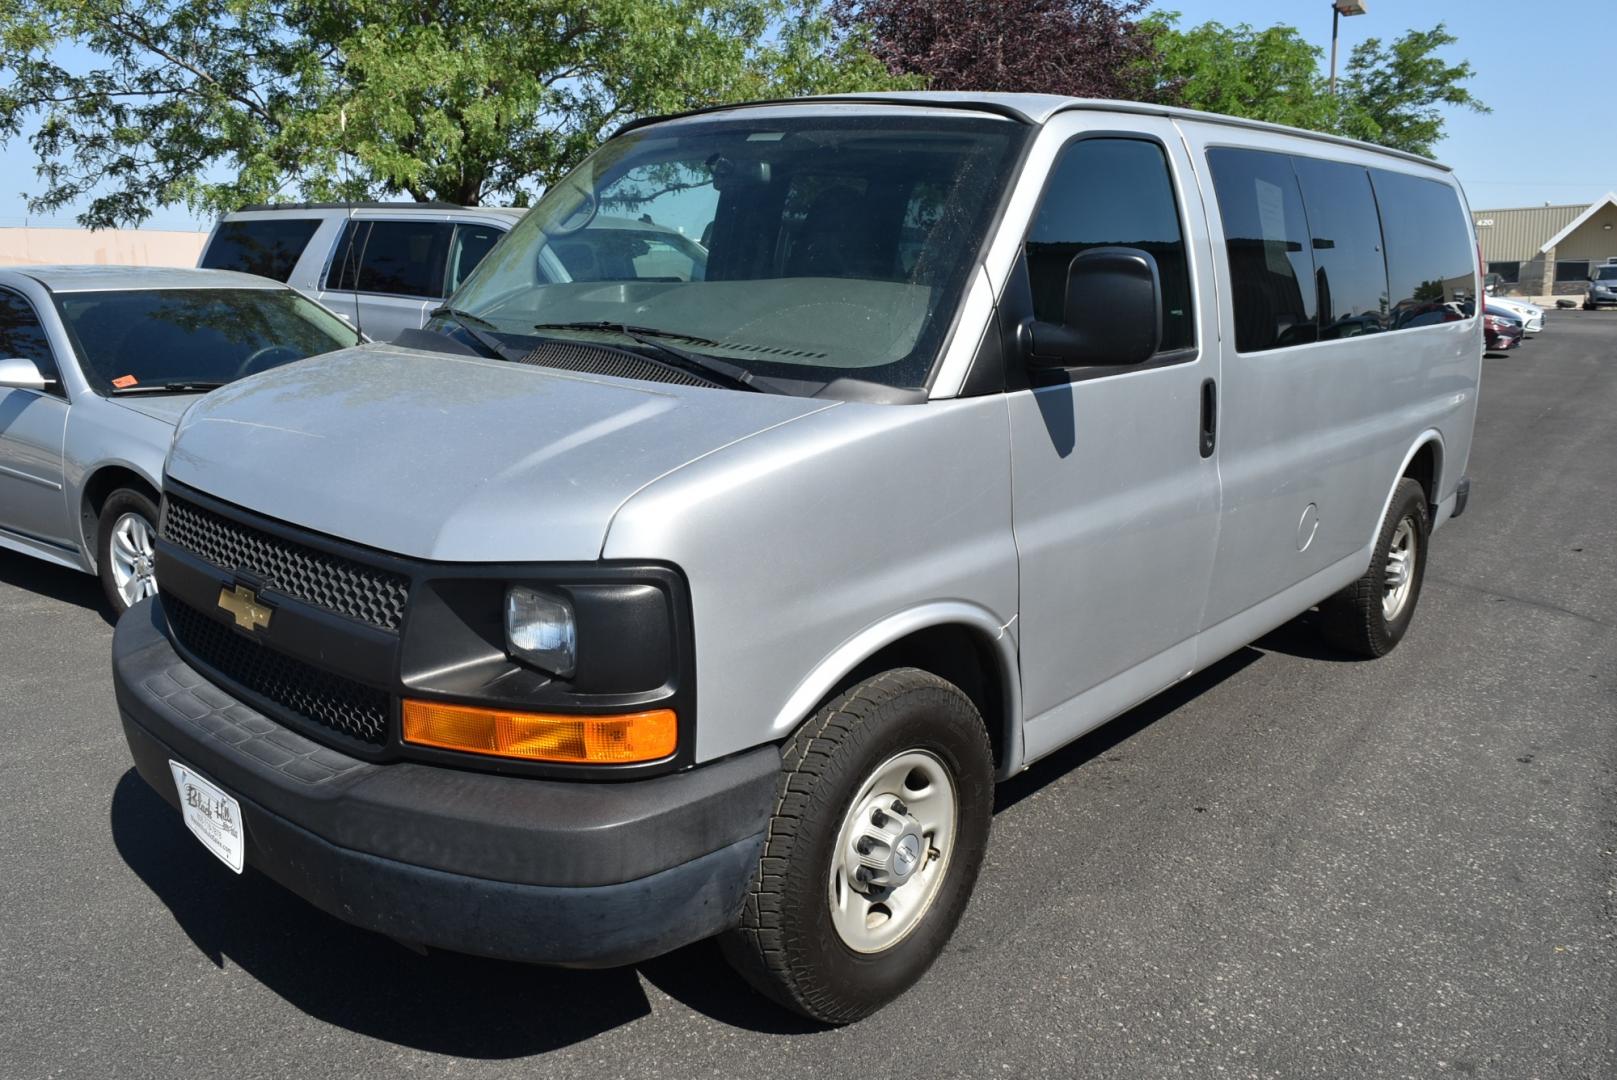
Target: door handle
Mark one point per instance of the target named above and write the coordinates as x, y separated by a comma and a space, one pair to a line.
1209, 432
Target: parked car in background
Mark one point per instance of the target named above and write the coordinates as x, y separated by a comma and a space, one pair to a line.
97, 363
1602, 287
381, 266
1530, 315
1500, 330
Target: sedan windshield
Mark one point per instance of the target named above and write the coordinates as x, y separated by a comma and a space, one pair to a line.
800, 249
147, 339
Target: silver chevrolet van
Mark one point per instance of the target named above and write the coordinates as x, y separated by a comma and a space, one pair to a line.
709, 589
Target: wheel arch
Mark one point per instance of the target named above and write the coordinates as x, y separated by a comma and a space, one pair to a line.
1422, 462
961, 642
99, 483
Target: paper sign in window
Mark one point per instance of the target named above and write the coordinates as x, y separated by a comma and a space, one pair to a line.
1272, 221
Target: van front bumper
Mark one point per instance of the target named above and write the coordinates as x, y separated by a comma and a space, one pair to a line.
577, 873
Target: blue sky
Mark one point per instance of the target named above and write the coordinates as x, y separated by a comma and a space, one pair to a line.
1537, 67
1534, 68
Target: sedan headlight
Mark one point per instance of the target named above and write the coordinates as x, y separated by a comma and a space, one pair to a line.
540, 629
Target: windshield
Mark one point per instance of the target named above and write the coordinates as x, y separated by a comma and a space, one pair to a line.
803, 249
131, 339
1607, 273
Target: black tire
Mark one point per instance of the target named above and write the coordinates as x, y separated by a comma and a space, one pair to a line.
122, 501
1354, 620
787, 945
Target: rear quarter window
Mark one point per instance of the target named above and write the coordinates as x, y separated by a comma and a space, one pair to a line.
1430, 260
268, 247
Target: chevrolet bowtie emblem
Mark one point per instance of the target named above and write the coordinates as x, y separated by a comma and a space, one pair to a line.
243, 605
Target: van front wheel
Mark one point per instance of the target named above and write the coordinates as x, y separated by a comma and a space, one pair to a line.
1369, 617
880, 825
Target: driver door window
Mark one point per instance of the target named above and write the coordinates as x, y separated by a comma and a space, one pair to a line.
32, 426
22, 336
1106, 192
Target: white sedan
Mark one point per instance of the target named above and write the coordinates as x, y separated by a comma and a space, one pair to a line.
96, 365
1531, 315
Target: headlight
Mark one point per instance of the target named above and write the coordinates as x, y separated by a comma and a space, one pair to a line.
539, 628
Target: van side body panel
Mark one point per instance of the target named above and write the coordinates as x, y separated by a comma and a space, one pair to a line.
1322, 429
819, 531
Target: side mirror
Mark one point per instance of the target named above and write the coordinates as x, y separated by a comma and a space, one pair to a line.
19, 374
1112, 315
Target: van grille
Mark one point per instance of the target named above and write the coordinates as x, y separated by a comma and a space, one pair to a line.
315, 696
338, 585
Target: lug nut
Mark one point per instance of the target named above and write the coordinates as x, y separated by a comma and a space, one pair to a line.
878, 818
899, 808
864, 845
862, 875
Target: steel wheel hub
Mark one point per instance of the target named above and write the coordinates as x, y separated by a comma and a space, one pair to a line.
892, 851
1400, 575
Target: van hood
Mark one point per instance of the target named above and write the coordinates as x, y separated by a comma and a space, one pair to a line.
455, 458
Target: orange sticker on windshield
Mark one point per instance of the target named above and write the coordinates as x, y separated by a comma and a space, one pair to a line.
123, 382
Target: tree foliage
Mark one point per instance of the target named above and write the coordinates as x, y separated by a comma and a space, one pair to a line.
1395, 95
1392, 95
1270, 74
464, 100
1084, 48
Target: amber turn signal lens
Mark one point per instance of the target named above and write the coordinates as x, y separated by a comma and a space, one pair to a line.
576, 740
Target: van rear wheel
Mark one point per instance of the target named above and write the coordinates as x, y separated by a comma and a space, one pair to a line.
1369, 617
880, 826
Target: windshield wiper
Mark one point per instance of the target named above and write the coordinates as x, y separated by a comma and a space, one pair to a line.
709, 367
470, 323
176, 387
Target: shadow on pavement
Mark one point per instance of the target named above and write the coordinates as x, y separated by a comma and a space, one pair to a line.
1301, 637
699, 978
471, 1007
56, 582
442, 1002
1050, 769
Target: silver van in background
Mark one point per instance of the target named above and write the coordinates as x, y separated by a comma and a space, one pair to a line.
383, 267
711, 595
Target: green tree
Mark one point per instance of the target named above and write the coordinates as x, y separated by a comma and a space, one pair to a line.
1393, 95
1270, 74
464, 100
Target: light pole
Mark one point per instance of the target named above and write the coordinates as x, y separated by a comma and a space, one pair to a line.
1340, 8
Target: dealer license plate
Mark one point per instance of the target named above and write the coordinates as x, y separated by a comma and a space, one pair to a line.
212, 815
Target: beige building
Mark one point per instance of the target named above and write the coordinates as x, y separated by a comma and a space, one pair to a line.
1547, 250
103, 247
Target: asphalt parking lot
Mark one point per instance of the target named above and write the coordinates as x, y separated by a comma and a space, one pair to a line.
1293, 865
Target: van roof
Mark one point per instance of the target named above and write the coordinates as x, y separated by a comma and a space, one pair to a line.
1037, 109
